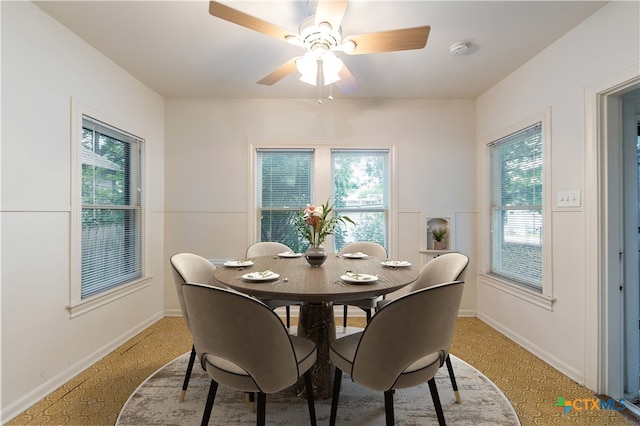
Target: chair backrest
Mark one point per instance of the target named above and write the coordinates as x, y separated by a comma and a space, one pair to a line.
266, 248
243, 331
442, 269
406, 330
189, 267
368, 247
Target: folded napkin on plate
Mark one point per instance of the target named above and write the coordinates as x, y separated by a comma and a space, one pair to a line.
355, 275
263, 274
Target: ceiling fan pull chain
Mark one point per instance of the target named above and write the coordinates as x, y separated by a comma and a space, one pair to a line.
319, 81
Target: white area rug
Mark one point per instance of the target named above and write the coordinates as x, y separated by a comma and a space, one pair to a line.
155, 402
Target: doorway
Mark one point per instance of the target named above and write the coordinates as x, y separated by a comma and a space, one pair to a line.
612, 357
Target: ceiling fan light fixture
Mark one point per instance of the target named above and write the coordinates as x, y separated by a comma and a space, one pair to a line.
308, 68
331, 66
309, 79
292, 39
347, 46
325, 28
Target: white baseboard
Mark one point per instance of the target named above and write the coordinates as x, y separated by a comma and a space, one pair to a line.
17, 407
172, 312
566, 369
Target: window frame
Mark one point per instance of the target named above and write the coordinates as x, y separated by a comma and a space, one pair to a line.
543, 298
77, 305
323, 182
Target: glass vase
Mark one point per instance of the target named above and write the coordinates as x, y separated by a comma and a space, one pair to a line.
315, 256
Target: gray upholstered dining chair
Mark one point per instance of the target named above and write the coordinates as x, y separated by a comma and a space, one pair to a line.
405, 344
189, 267
371, 249
442, 269
271, 248
252, 353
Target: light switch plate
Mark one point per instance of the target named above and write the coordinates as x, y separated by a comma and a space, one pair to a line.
569, 198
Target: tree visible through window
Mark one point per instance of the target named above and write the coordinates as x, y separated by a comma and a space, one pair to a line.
111, 207
360, 179
515, 193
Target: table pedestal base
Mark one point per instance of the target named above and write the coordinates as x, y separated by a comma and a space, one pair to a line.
316, 323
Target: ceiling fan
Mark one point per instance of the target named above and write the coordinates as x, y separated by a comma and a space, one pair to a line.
320, 36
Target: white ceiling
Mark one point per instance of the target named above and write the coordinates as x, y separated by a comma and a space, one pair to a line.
179, 50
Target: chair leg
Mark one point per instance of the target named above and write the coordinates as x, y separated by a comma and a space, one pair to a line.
436, 401
288, 309
262, 403
368, 312
344, 318
388, 407
213, 388
337, 379
187, 376
454, 384
312, 407
249, 398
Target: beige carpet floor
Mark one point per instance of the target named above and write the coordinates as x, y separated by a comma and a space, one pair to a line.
96, 396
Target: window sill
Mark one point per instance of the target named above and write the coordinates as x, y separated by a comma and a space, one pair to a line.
81, 307
542, 300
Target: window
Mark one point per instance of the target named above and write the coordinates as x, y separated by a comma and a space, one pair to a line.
284, 185
360, 191
111, 229
516, 207
355, 180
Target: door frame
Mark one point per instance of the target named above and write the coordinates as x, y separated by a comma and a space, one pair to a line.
604, 322
630, 169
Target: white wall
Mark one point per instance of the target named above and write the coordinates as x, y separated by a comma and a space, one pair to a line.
43, 66
602, 45
206, 168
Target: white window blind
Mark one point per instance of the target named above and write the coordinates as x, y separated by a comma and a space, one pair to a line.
111, 242
284, 185
361, 191
515, 198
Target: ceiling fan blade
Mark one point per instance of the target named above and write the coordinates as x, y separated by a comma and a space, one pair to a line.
227, 13
331, 11
347, 83
390, 41
280, 73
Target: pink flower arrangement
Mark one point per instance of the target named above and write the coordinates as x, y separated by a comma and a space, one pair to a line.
314, 224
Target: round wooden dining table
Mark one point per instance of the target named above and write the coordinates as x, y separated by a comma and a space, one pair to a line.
316, 289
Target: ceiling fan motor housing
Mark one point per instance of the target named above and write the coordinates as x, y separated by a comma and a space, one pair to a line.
318, 36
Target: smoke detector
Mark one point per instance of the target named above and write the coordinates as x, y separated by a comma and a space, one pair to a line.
459, 49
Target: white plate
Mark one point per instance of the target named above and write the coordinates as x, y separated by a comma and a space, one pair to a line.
290, 254
396, 263
261, 276
358, 255
359, 278
238, 263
